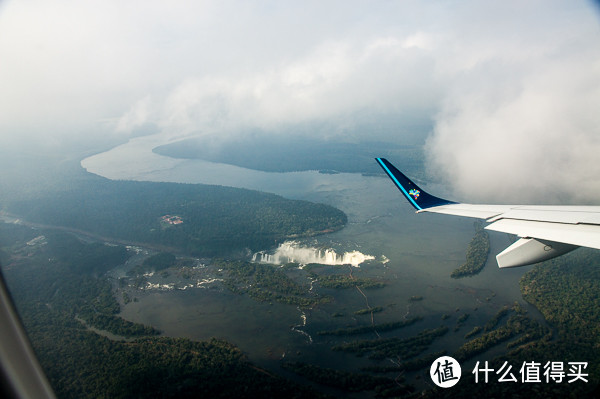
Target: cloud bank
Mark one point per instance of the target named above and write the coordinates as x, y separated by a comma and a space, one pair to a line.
522, 124
505, 92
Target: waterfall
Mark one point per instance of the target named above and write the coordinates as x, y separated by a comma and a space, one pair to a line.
291, 251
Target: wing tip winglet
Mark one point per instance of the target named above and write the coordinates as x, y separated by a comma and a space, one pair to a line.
417, 197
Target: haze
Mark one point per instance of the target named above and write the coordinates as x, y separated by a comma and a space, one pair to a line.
504, 95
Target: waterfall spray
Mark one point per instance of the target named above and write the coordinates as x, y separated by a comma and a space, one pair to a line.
291, 251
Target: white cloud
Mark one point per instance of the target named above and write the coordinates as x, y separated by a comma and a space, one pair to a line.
333, 81
138, 115
67, 66
511, 86
522, 125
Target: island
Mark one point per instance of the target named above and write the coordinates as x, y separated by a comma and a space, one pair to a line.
477, 254
264, 152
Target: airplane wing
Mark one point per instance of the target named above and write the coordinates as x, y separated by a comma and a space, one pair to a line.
21, 375
545, 231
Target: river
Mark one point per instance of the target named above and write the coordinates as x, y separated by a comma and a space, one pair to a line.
414, 254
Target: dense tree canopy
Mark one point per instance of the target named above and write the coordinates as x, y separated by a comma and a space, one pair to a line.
215, 220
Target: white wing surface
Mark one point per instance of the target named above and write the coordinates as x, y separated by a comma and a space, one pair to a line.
545, 231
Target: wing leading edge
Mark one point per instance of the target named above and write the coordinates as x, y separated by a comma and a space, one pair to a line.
545, 231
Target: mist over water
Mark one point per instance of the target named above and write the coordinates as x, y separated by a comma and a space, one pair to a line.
293, 251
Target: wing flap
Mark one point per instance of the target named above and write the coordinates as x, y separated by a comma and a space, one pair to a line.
586, 235
469, 210
566, 214
541, 213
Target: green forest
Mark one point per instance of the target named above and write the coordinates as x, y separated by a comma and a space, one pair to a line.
64, 273
381, 327
63, 296
566, 290
266, 283
351, 382
477, 254
345, 281
263, 152
58, 285
215, 220
404, 348
54, 282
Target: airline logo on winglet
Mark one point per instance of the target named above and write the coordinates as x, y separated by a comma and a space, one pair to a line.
411, 191
414, 193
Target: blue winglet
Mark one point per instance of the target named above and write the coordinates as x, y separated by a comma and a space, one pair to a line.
418, 198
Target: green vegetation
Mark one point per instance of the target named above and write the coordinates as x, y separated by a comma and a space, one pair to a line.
493, 322
382, 327
517, 323
375, 309
266, 283
393, 347
338, 281
461, 321
463, 318
160, 261
477, 254
262, 151
216, 220
408, 365
347, 381
57, 283
52, 284
476, 330
117, 325
65, 274
567, 292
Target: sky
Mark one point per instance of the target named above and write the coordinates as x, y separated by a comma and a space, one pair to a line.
504, 94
